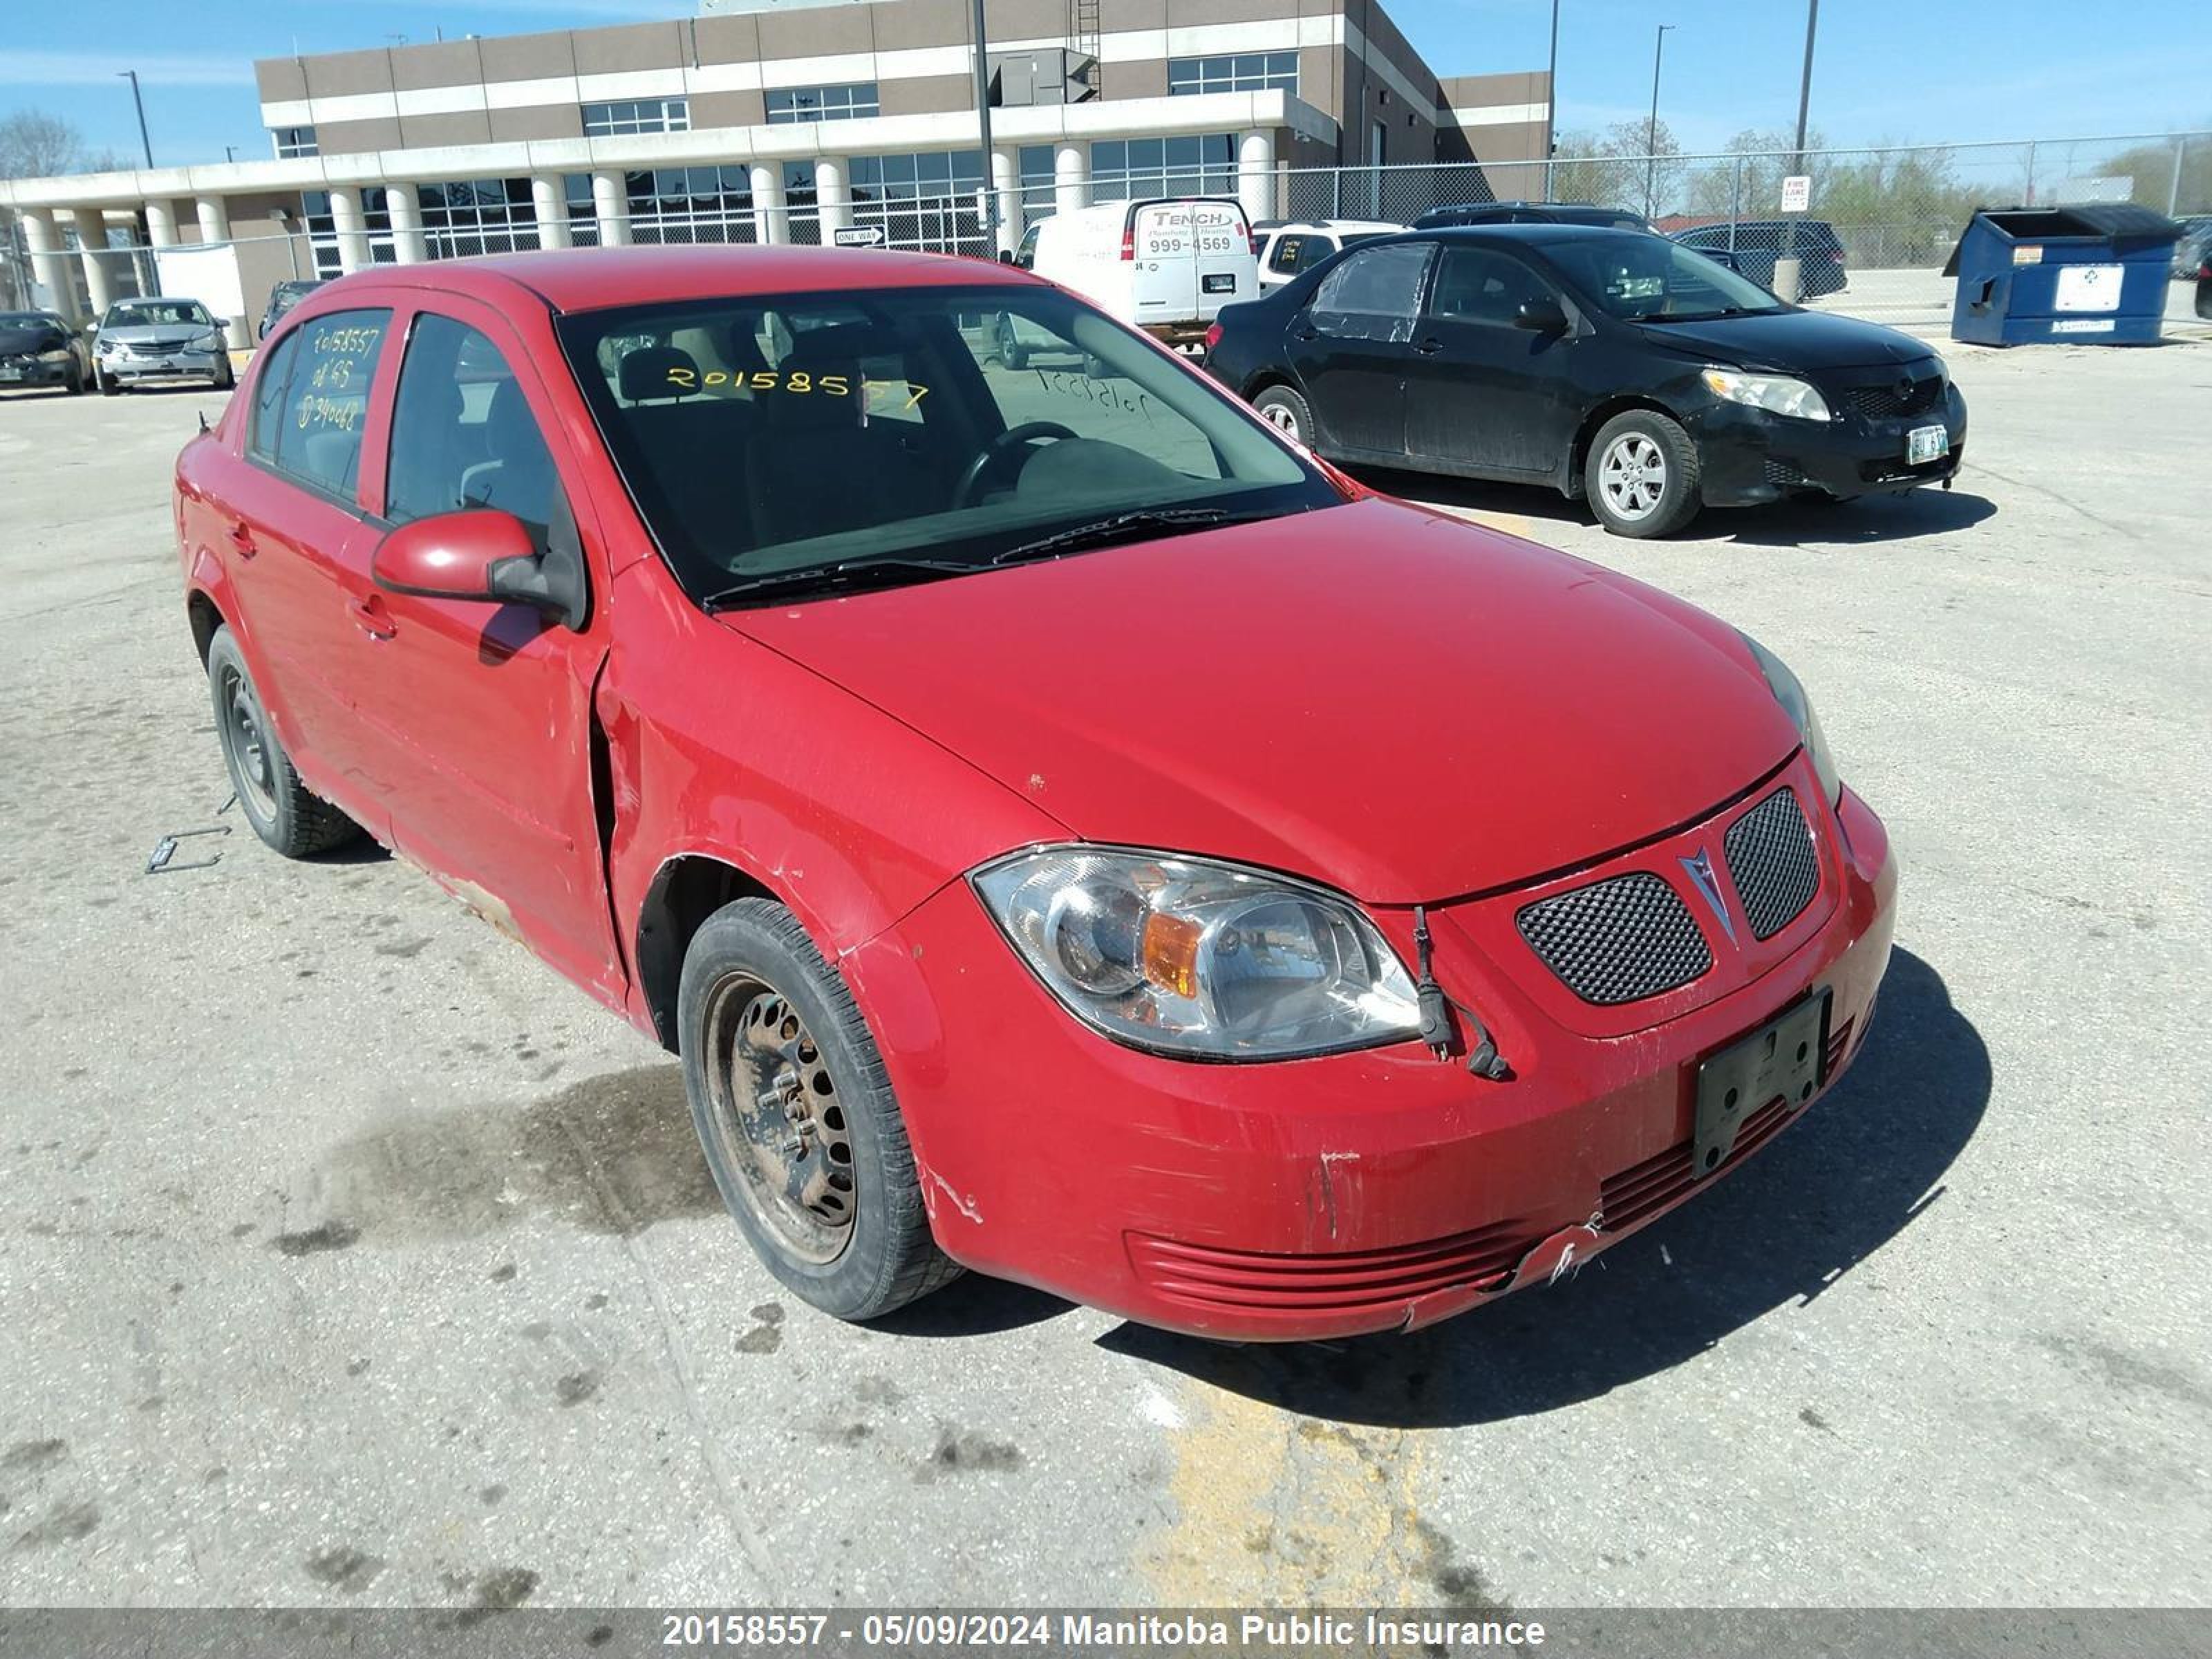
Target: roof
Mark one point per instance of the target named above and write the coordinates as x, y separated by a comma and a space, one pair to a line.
591, 279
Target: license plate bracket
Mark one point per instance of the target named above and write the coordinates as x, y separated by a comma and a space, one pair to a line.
1924, 444
1785, 1057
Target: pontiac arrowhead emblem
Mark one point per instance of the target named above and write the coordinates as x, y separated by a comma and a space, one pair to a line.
1699, 869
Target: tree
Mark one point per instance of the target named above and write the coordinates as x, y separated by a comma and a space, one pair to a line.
36, 145
2149, 170
1614, 169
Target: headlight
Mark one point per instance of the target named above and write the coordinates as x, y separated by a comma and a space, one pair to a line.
210, 341
1790, 692
1777, 394
1186, 956
104, 347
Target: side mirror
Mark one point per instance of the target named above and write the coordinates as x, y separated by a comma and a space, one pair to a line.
1541, 317
470, 554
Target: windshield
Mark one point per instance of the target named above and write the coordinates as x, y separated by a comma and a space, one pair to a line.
140, 313
27, 319
1650, 279
915, 432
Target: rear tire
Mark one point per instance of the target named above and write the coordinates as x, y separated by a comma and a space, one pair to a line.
795, 1113
1283, 409
1641, 475
282, 811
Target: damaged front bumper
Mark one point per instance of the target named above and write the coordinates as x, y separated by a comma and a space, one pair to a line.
1325, 1197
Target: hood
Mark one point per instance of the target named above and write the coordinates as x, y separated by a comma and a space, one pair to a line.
1790, 341
154, 333
17, 338
1396, 703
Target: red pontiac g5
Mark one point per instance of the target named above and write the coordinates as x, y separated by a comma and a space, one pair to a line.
1065, 830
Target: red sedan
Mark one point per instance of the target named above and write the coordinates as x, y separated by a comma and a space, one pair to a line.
1065, 830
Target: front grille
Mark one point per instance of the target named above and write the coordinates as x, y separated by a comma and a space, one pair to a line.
1617, 941
1894, 400
1347, 1282
153, 348
1771, 860
1783, 476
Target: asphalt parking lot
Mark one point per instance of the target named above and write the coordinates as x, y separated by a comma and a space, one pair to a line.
349, 1257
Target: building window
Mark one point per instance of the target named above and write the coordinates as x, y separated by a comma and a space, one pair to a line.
1202, 166
921, 200
323, 232
788, 105
634, 115
1040, 178
671, 205
478, 215
1246, 71
293, 142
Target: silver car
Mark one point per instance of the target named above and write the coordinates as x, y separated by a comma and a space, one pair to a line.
160, 340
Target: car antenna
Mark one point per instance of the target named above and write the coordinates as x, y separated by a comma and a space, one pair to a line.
1483, 1058
203, 425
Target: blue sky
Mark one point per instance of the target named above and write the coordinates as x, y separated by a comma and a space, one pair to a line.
1963, 69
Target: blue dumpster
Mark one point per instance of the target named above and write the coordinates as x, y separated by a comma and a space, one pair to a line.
2090, 275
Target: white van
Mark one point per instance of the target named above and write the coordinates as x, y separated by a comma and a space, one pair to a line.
1166, 266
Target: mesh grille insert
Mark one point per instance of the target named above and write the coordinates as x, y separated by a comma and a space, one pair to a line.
1771, 861
1618, 940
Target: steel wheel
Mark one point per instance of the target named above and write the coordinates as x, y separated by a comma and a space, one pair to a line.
774, 1107
247, 744
1633, 476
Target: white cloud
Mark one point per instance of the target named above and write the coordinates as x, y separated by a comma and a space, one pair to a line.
86, 69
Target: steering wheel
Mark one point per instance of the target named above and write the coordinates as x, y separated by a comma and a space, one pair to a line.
997, 451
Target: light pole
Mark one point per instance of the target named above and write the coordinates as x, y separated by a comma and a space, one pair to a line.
1551, 105
1651, 145
983, 127
1788, 269
131, 76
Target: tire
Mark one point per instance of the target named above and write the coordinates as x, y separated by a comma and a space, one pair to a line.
759, 1007
226, 377
74, 385
281, 809
107, 384
1011, 352
1282, 407
1641, 475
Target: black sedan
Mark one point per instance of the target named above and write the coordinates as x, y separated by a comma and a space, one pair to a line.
1616, 367
37, 348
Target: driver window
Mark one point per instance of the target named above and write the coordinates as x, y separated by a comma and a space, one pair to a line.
1481, 285
1374, 295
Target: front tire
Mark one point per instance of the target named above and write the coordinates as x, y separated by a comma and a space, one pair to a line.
1641, 475
282, 811
795, 1113
108, 385
1283, 409
74, 385
1011, 352
226, 377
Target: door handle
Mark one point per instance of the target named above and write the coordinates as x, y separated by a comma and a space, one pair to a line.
242, 539
1429, 347
372, 618
1305, 334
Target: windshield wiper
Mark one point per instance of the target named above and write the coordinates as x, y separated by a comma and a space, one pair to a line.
1125, 527
845, 574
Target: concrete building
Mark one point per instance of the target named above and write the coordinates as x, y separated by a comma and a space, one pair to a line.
782, 120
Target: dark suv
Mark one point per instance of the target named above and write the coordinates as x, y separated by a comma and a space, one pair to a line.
1756, 244
1530, 213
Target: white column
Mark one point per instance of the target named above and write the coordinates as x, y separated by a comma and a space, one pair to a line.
1071, 178
611, 202
352, 234
162, 222
215, 218
549, 201
48, 263
833, 195
1255, 174
405, 207
770, 222
92, 248
1006, 189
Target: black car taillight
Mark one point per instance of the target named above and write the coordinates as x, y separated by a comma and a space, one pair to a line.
1212, 336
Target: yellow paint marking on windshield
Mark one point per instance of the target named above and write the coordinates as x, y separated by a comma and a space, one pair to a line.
799, 380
